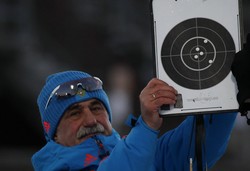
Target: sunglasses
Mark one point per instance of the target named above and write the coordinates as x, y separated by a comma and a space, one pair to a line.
71, 88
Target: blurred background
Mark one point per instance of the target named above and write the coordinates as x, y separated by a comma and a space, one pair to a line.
108, 39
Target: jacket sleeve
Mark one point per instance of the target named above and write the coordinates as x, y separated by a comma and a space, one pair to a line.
133, 153
176, 147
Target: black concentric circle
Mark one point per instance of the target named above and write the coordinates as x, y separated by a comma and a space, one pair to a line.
197, 53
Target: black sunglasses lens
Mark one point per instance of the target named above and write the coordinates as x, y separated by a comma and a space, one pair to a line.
91, 84
66, 90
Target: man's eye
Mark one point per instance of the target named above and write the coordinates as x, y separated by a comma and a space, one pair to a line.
97, 108
74, 113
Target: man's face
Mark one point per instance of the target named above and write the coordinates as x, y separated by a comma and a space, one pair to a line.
82, 121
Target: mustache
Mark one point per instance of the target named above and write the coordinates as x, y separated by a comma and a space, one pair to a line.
85, 131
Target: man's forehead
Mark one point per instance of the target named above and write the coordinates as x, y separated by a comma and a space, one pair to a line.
85, 103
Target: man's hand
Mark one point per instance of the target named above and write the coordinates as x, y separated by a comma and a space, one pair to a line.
152, 97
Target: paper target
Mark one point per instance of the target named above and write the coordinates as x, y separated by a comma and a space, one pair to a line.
197, 53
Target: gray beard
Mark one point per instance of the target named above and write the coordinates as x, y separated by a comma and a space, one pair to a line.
85, 131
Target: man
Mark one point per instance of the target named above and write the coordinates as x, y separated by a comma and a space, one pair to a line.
76, 118
240, 69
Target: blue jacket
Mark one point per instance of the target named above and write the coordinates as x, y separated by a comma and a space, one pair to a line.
141, 150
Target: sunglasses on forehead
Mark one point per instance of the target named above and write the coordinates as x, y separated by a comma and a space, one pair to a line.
71, 88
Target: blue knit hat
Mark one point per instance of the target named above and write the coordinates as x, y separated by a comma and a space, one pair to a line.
51, 113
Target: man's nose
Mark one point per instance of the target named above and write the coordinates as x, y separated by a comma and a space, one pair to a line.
89, 119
